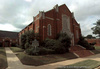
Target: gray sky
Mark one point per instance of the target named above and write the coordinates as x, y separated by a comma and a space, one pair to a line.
16, 14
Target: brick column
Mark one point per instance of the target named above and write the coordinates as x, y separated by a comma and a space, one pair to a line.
3, 42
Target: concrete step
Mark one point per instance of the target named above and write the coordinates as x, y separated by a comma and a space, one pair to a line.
80, 51
76, 48
83, 53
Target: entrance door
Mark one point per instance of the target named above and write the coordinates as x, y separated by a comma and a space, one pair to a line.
6, 43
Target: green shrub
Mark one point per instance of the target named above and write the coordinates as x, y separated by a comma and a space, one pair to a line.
27, 37
44, 51
13, 44
23, 41
59, 48
61, 45
29, 51
65, 40
91, 47
32, 50
93, 43
27, 45
51, 46
85, 44
49, 43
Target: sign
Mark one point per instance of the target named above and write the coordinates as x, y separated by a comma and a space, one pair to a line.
35, 43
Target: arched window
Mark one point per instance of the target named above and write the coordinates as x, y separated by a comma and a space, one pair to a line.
49, 30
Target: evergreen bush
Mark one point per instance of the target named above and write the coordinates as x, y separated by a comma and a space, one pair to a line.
49, 43
85, 44
59, 48
32, 50
65, 40
26, 38
27, 45
44, 51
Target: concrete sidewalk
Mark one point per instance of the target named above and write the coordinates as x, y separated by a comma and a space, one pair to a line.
14, 62
68, 62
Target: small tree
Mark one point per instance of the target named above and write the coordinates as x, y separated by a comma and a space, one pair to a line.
31, 50
27, 45
59, 47
85, 44
31, 36
26, 38
23, 41
96, 28
49, 43
89, 36
65, 40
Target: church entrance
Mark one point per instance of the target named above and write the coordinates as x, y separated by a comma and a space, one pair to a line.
6, 43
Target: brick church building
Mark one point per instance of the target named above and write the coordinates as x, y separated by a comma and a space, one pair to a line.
8, 38
57, 20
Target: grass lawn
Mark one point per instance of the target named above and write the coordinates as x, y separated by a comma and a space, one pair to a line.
42, 59
97, 47
3, 59
97, 50
16, 49
87, 64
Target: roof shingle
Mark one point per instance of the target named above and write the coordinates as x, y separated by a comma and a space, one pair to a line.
8, 34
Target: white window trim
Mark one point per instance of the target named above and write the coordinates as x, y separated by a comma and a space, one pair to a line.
49, 18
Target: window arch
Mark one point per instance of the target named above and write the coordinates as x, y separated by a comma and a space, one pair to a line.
49, 30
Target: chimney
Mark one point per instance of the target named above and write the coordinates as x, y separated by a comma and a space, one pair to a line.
33, 18
56, 8
41, 14
72, 14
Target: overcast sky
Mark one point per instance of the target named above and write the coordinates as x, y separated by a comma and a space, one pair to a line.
16, 14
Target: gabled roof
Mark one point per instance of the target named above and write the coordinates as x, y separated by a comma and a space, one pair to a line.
59, 7
9, 34
27, 26
65, 6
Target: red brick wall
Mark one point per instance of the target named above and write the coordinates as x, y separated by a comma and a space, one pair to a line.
94, 40
76, 28
1, 39
26, 29
36, 26
64, 10
57, 24
50, 13
30, 27
73, 24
